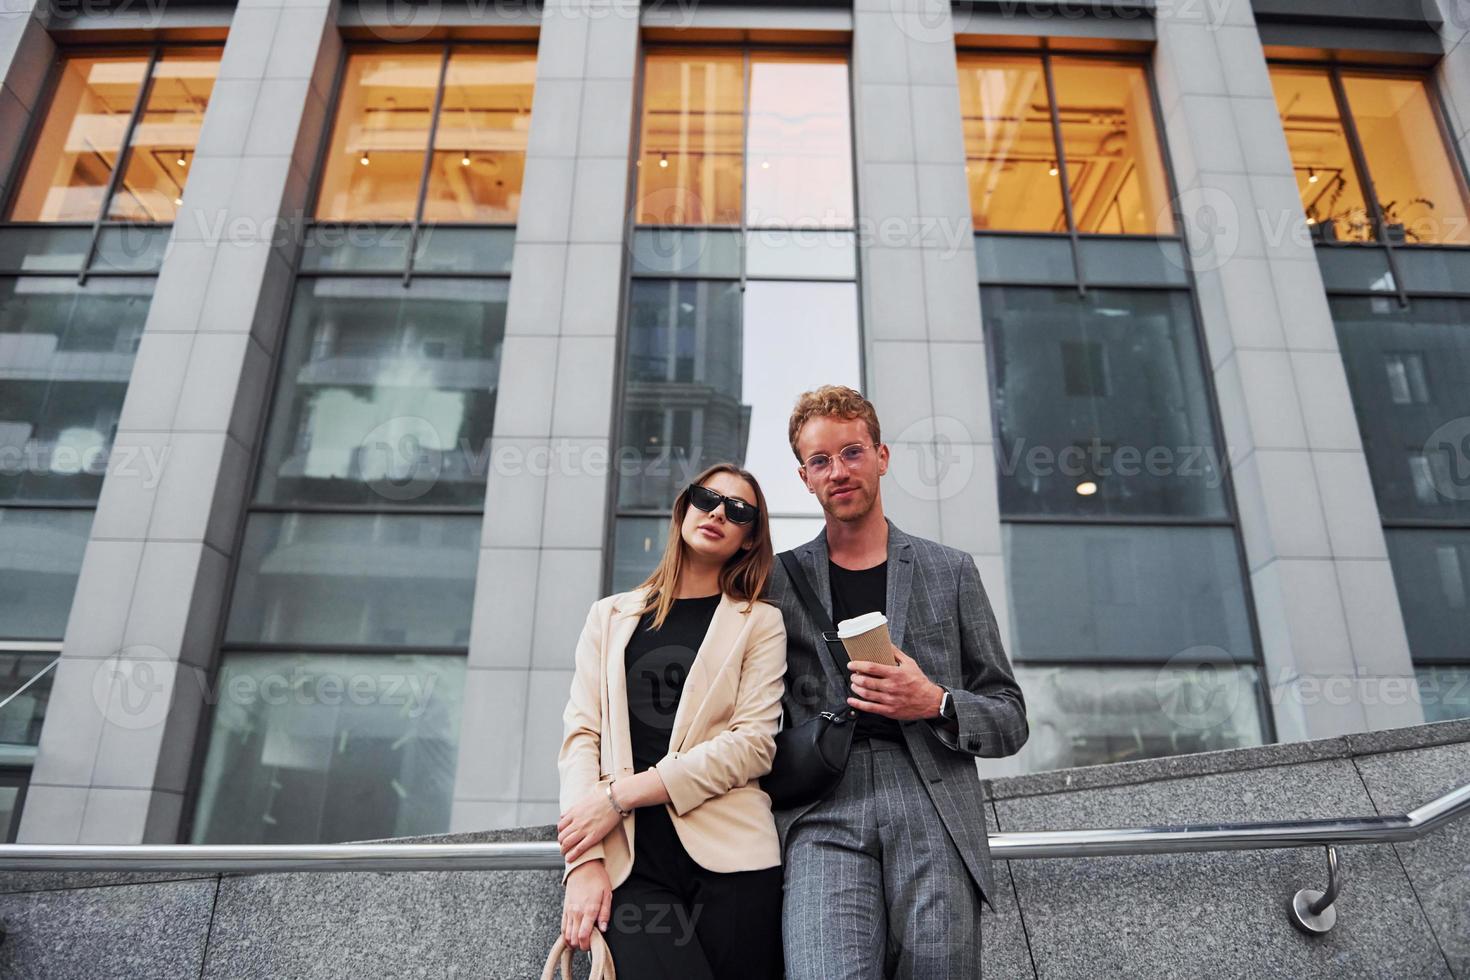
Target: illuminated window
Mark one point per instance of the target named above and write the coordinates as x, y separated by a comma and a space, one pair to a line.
137, 113
1098, 152
472, 104
760, 138
1417, 194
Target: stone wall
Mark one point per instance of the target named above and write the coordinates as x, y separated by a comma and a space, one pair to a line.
1404, 909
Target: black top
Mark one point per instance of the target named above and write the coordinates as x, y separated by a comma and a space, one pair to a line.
853, 594
657, 663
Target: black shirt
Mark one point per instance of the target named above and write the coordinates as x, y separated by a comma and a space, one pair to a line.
853, 594
657, 663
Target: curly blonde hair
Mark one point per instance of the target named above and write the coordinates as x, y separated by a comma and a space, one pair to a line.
831, 401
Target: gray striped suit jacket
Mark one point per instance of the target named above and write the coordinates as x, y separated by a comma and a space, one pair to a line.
938, 614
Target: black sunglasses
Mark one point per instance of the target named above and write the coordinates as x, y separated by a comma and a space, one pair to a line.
736, 510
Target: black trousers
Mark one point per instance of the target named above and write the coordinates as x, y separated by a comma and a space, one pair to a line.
673, 919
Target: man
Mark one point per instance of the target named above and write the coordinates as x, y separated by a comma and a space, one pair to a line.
884, 877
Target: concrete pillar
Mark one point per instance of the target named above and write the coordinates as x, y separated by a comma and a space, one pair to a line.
542, 541
129, 693
26, 51
1453, 73
1335, 650
923, 341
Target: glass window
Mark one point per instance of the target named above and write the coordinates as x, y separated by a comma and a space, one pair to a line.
712, 376
1114, 165
1431, 568
1087, 716
372, 579
1331, 190
23, 715
387, 394
1101, 404
682, 407
692, 146
797, 335
798, 142
385, 117
1444, 691
480, 145
13, 784
781, 141
66, 353
321, 748
1418, 188
81, 141
40, 560
1125, 593
375, 162
1422, 197
1010, 151
638, 544
1408, 370
162, 147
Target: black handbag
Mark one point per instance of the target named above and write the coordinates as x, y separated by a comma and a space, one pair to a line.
811, 757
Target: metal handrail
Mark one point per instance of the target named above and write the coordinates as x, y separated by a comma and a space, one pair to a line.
545, 855
1311, 910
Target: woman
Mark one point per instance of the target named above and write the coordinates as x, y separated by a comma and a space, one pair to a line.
669, 842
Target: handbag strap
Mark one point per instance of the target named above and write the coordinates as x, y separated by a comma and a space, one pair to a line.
562, 955
819, 616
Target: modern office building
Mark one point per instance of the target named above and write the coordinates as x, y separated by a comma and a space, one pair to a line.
350, 350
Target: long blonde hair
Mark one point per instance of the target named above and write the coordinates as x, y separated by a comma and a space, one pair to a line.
744, 574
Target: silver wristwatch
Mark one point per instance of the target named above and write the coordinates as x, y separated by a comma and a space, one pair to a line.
946, 706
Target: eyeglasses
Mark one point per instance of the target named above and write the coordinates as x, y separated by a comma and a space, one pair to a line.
819, 464
736, 510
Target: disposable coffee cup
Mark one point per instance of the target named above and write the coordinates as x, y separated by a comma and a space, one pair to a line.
865, 637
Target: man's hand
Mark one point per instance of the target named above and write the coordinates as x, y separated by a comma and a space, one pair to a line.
586, 823
587, 904
902, 693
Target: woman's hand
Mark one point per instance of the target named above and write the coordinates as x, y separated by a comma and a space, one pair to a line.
588, 902
586, 823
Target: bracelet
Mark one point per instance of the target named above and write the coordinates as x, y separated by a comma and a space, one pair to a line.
613, 801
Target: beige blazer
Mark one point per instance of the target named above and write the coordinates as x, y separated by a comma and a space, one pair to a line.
722, 743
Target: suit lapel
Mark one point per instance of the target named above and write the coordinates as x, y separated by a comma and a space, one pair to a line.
813, 558
620, 631
714, 652
900, 581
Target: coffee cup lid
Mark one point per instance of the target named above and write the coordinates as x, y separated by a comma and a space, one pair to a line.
860, 624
